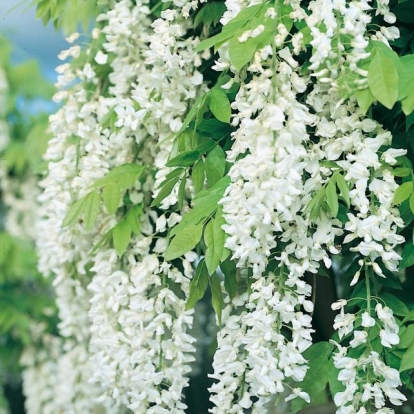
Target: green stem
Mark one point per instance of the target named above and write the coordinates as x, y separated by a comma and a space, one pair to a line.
368, 287
160, 360
161, 355
249, 284
274, 54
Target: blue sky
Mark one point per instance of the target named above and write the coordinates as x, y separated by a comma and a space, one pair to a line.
30, 38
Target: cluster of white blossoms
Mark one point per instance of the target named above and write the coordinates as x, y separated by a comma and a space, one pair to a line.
139, 327
130, 320
174, 81
340, 39
64, 252
354, 147
139, 324
368, 381
127, 342
264, 203
253, 360
265, 206
40, 372
379, 381
352, 143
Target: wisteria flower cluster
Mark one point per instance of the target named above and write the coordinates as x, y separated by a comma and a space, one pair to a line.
236, 151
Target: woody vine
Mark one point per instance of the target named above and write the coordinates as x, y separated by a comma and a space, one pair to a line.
249, 157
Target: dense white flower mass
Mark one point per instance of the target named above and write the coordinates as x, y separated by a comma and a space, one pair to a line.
268, 198
263, 203
310, 177
122, 323
366, 379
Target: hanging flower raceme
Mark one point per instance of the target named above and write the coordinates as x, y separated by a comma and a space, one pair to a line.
174, 81
263, 207
108, 128
353, 146
170, 173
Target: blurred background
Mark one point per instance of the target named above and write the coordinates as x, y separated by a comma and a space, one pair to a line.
29, 37
28, 57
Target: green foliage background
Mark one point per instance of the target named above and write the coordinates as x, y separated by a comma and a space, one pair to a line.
389, 99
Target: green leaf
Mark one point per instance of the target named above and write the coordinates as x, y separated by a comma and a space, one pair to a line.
398, 307
75, 211
205, 146
220, 235
216, 295
316, 378
343, 189
173, 174
133, 218
92, 207
167, 187
285, 10
214, 238
409, 318
198, 107
329, 164
197, 215
406, 337
185, 159
409, 121
234, 26
400, 172
215, 129
412, 202
125, 176
215, 165
407, 255
317, 374
403, 192
181, 192
213, 41
219, 105
210, 14
392, 359
405, 212
111, 196
383, 78
245, 16
307, 35
335, 385
407, 361
102, 242
332, 197
365, 99
205, 205
408, 104
186, 141
315, 205
121, 236
228, 267
406, 76
108, 121
183, 242
197, 176
241, 53
198, 285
